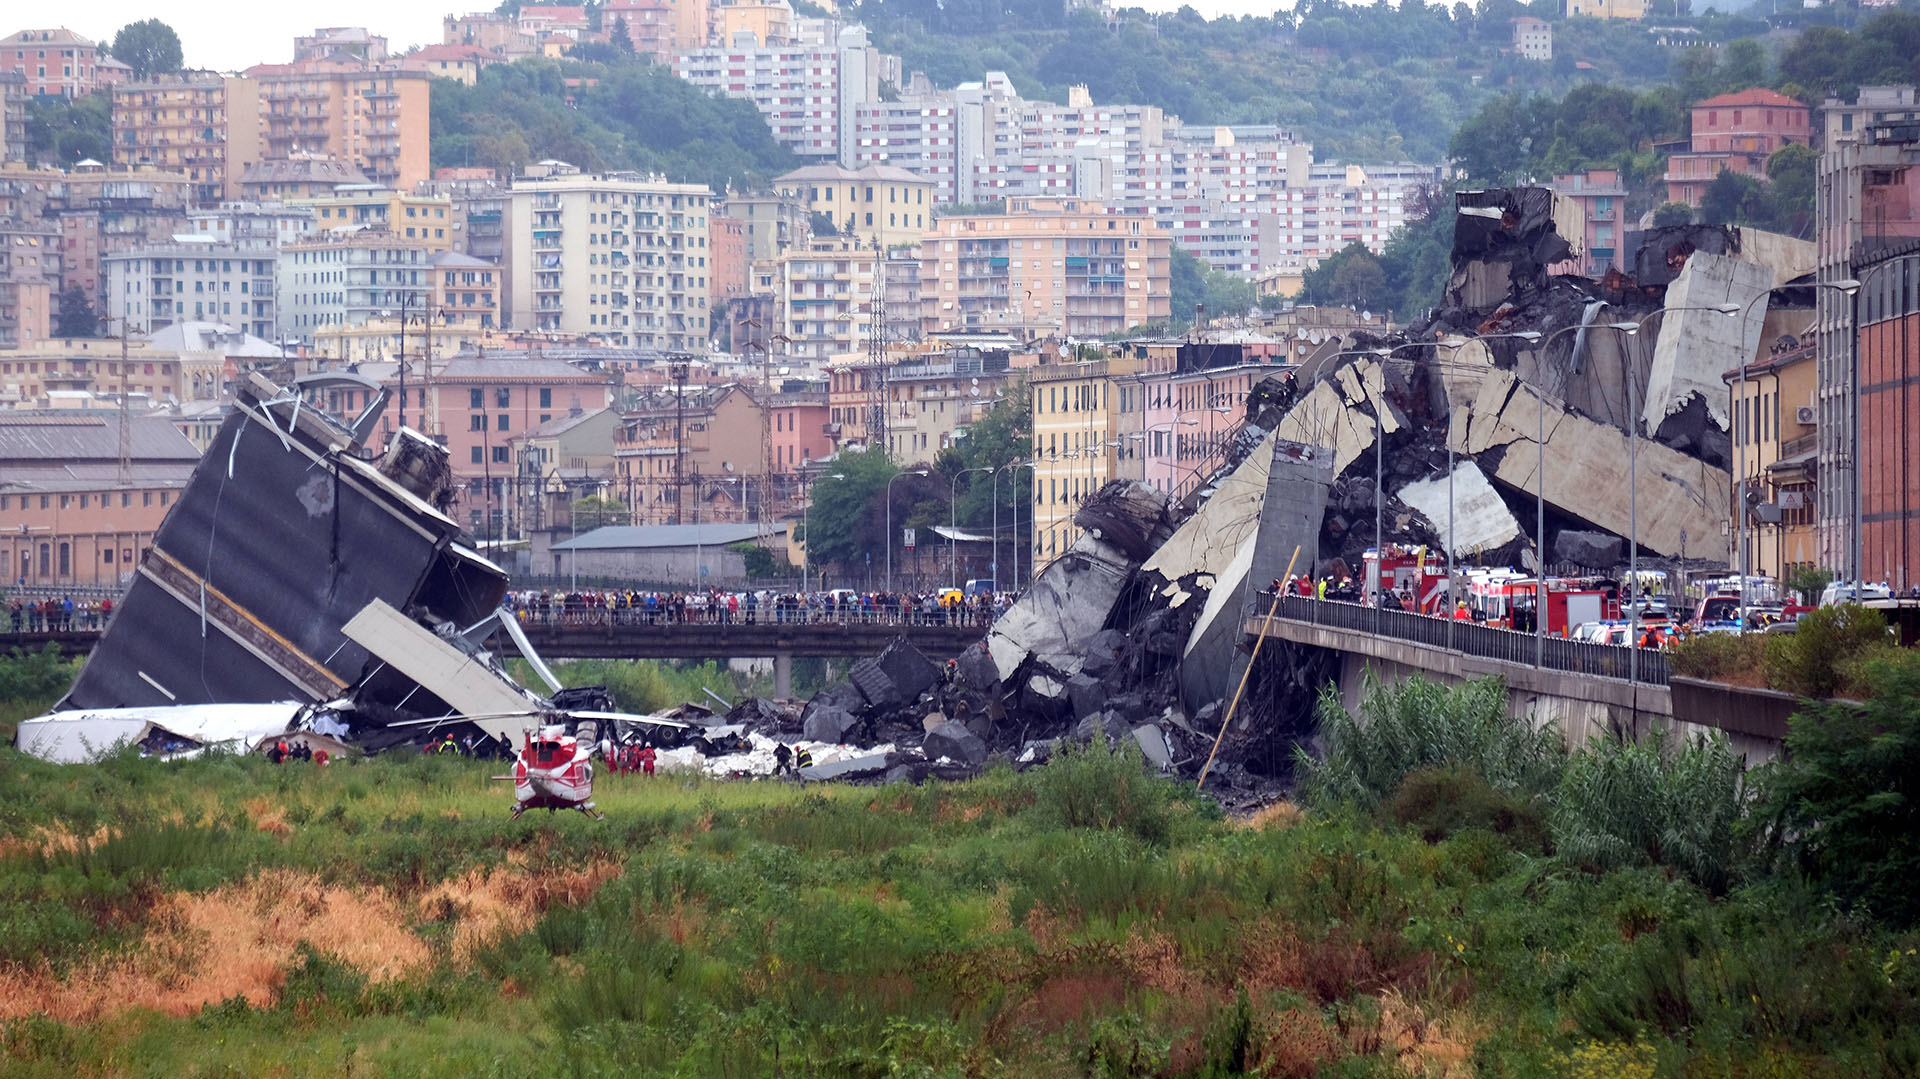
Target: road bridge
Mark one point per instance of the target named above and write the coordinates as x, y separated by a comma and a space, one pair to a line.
623, 634
1584, 688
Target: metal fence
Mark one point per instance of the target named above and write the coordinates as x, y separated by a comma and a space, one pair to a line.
1486, 642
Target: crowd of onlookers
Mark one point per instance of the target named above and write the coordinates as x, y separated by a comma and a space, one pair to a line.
56, 615
716, 607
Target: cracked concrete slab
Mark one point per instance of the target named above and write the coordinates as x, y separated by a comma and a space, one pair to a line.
1697, 346
1481, 520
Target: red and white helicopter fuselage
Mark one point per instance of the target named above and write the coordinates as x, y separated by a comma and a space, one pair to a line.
553, 770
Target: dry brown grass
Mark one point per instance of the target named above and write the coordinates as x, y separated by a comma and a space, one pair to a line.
238, 940
1276, 815
44, 841
269, 818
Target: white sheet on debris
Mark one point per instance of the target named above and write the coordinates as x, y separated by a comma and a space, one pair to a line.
84, 735
759, 761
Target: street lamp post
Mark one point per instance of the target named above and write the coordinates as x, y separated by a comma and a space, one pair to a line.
953, 523
890, 479
1540, 483
996, 525
806, 525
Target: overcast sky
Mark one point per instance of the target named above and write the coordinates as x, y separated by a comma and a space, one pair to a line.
228, 37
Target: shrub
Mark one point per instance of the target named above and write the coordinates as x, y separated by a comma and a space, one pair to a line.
1418, 724
1722, 657
1106, 788
1624, 804
1440, 802
1808, 661
1842, 804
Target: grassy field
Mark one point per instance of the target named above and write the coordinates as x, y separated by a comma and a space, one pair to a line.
383, 917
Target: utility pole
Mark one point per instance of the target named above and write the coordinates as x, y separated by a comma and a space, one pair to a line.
679, 372
406, 302
877, 403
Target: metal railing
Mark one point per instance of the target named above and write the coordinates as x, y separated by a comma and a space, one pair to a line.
1473, 639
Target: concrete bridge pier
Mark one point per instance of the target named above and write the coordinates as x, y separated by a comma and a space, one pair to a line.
782, 675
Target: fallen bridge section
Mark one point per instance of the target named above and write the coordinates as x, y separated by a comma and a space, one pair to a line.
1679, 495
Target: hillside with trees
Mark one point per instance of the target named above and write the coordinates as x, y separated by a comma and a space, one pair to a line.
624, 113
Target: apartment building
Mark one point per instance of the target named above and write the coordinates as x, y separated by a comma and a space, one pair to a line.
1532, 38
774, 222
461, 63
659, 28
1046, 266
375, 119
825, 293
879, 205
621, 256
1602, 198
726, 258
427, 218
1841, 122
67, 518
1074, 422
932, 401
1867, 201
58, 62
808, 94
302, 177
325, 281
765, 23
481, 404
13, 118
153, 287
674, 455
30, 268
201, 123
466, 292
497, 33
1737, 133
264, 225
1774, 445
106, 211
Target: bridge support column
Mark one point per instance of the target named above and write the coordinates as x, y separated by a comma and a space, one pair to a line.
783, 675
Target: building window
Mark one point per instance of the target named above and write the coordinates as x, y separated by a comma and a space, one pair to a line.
476, 454
476, 422
502, 397
475, 400
546, 397
500, 422
500, 455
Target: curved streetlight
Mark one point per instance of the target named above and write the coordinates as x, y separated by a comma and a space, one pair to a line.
890, 479
806, 523
953, 523
996, 525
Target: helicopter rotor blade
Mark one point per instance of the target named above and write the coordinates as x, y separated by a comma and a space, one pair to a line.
631, 718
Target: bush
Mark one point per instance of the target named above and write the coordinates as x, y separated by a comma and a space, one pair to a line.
1721, 657
1809, 661
1842, 805
1623, 804
1418, 724
1440, 802
1105, 788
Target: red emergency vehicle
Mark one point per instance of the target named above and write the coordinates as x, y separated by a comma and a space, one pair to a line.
1419, 572
1495, 596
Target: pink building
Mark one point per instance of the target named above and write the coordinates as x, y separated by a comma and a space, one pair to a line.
799, 425
726, 259
1603, 199
53, 61
479, 404
1735, 132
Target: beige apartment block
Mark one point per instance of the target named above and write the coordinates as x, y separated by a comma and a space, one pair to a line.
1046, 266
202, 124
1075, 409
375, 119
880, 205
620, 256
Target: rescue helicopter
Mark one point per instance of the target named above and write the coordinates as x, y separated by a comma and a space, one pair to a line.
552, 768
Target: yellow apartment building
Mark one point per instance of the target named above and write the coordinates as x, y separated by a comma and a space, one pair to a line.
1075, 408
880, 204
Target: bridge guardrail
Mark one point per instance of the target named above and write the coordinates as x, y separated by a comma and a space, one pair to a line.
1486, 642
785, 616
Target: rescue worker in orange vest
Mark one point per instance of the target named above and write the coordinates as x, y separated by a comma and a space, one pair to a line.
1653, 638
1461, 613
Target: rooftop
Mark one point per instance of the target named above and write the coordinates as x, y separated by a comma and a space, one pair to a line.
66, 437
1755, 96
630, 537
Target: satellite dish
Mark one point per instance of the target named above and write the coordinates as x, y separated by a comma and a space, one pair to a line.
1063, 352
1366, 316
975, 391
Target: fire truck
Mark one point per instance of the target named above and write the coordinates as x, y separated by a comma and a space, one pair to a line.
1408, 571
1495, 596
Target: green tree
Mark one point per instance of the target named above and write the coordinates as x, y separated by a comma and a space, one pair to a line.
76, 318
1843, 806
1743, 64
1736, 199
847, 522
622, 39
759, 561
1503, 142
596, 512
64, 132
149, 47
1790, 173
1818, 60
1673, 213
